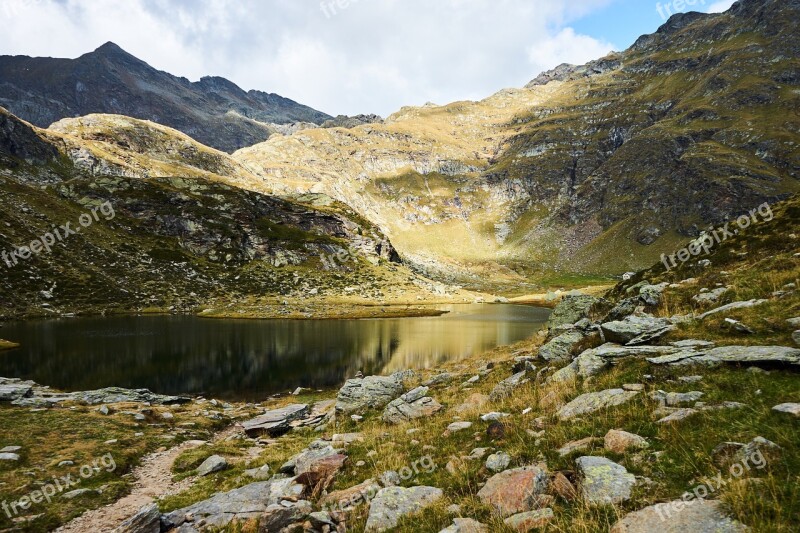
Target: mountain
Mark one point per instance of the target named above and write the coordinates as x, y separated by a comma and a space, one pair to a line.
595, 169
109, 80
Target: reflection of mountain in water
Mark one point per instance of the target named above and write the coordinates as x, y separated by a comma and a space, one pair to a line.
250, 359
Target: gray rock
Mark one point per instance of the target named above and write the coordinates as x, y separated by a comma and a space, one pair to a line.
372, 392
577, 446
634, 330
393, 503
411, 405
213, 464
675, 399
624, 308
465, 525
13, 390
571, 309
277, 517
439, 379
788, 408
71, 495
768, 450
595, 401
259, 474
303, 462
794, 322
245, 503
562, 347
497, 462
697, 516
10, 449
731, 307
693, 343
651, 294
710, 297
491, 417
678, 415
506, 387
530, 520
479, 453
146, 520
275, 422
796, 337
732, 354
604, 481
10, 457
458, 426
42, 397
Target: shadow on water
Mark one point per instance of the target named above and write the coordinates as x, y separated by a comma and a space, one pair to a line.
248, 360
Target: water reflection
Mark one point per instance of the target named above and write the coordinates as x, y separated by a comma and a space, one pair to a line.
248, 360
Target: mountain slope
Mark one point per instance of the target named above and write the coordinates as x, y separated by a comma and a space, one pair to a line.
109, 80
593, 169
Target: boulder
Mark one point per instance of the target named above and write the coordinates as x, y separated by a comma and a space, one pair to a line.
506, 387
245, 503
13, 390
9, 457
458, 426
677, 415
697, 516
213, 464
524, 522
624, 308
634, 330
604, 481
651, 294
411, 405
393, 503
372, 392
562, 347
619, 441
275, 422
310, 459
570, 309
516, 491
595, 401
146, 520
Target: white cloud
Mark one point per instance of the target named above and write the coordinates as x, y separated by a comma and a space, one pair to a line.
720, 7
372, 56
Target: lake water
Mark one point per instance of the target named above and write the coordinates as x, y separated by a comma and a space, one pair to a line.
249, 360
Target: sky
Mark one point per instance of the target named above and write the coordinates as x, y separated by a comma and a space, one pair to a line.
344, 56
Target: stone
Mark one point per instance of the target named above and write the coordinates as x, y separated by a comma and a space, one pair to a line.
104, 410
346, 438
146, 520
496, 430
478, 453
489, 417
697, 516
563, 487
561, 348
71, 495
348, 498
11, 449
675, 399
524, 522
570, 309
731, 307
245, 503
465, 525
275, 422
634, 387
796, 337
788, 408
633, 330
624, 308
373, 392
612, 350
651, 294
604, 481
213, 464
10, 457
595, 401
411, 405
458, 426
320, 455
678, 415
710, 297
794, 322
733, 354
262, 473
393, 503
770, 451
506, 387
692, 343
517, 490
577, 445
277, 517
497, 462
439, 379
739, 326
11, 390
690, 379
619, 441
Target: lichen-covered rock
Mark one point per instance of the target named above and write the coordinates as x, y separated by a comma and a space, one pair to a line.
570, 309
604, 481
497, 462
561, 348
635, 330
393, 503
595, 401
411, 405
372, 392
696, 516
517, 490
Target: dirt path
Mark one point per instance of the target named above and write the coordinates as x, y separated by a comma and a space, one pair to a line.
153, 479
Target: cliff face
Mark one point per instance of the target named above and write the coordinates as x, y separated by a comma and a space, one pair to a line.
109, 80
596, 168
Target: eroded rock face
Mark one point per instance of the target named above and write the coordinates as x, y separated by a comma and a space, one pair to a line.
517, 490
372, 392
595, 401
604, 481
697, 516
393, 503
411, 405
